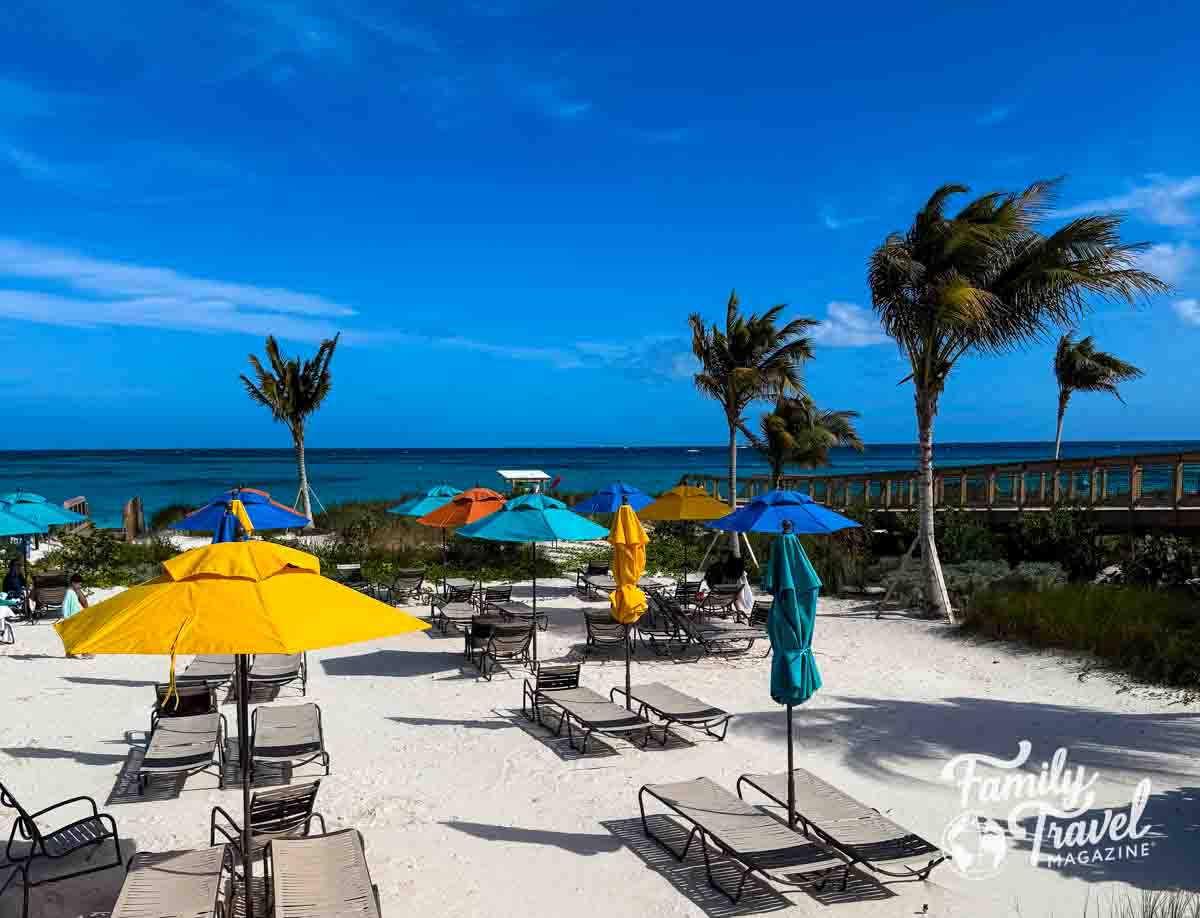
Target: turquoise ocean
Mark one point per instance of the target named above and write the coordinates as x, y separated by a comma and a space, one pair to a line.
108, 478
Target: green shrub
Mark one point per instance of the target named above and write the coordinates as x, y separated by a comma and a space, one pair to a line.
961, 536
1163, 561
102, 561
964, 581
1151, 634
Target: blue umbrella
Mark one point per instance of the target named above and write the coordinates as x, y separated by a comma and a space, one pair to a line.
767, 513
793, 583
264, 513
609, 498
426, 503
534, 518
36, 508
228, 530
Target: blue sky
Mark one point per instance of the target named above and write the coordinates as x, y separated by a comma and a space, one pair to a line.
509, 207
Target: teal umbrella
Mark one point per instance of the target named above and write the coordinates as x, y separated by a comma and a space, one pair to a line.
793, 583
427, 502
13, 524
534, 518
36, 508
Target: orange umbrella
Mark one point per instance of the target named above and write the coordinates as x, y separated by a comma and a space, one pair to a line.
467, 507
471, 505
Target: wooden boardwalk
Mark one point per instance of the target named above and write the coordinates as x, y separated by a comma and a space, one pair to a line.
1150, 491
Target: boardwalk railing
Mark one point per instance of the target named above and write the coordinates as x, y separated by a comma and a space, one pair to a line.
1150, 482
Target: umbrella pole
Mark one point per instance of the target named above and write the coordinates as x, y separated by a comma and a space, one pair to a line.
791, 775
443, 559
533, 546
628, 700
243, 716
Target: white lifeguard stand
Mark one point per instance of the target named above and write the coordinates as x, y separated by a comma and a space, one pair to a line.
534, 478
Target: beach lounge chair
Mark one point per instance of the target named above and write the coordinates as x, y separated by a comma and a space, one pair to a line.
505, 644
719, 600
687, 588
184, 700
279, 669
287, 733
604, 633
177, 884
759, 842
674, 707
281, 812
408, 586
860, 833
714, 637
657, 627
588, 571
494, 594
49, 590
182, 746
579, 708
91, 830
215, 669
455, 615
324, 875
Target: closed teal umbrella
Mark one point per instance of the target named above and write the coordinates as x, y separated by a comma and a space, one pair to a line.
793, 583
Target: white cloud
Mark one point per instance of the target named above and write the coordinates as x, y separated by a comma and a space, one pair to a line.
849, 325
1173, 262
1163, 200
1188, 310
994, 115
113, 280
833, 221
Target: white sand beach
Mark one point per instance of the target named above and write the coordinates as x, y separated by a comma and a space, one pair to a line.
468, 810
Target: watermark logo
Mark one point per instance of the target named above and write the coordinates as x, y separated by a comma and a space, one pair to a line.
1053, 809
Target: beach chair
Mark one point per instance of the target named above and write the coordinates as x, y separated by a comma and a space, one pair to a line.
760, 612
281, 812
324, 875
687, 588
49, 590
505, 644
184, 700
588, 571
93, 830
182, 746
657, 627
455, 615
350, 575
674, 707
287, 734
860, 833
177, 884
408, 586
579, 708
278, 670
215, 669
604, 634
714, 637
756, 840
493, 594
719, 600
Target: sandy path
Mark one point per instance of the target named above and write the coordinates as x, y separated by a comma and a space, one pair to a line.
467, 811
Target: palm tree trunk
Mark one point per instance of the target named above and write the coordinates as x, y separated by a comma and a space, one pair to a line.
935, 583
735, 547
302, 468
1063, 398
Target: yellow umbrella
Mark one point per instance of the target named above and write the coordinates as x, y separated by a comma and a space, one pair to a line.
238, 598
628, 540
686, 503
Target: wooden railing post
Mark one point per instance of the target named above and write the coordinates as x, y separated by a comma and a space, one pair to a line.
1020, 488
1177, 484
1093, 493
991, 488
962, 490
1135, 485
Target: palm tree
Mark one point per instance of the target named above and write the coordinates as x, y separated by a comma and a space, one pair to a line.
799, 433
293, 391
749, 360
986, 281
1079, 367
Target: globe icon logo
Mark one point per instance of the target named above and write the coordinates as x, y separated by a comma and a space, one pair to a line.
976, 844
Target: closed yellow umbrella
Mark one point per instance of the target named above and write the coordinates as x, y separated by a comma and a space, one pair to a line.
628, 540
236, 598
